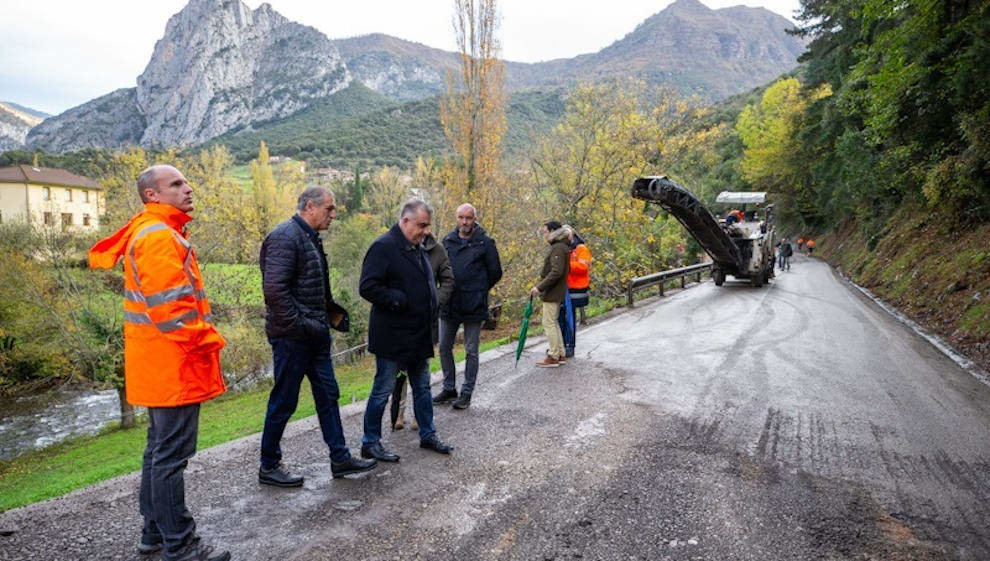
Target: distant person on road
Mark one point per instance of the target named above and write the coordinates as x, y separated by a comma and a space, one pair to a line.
477, 268
800, 243
811, 247
171, 353
553, 288
299, 314
579, 266
397, 279
784, 252
444, 277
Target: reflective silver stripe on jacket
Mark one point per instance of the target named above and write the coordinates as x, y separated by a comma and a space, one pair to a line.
137, 296
170, 295
173, 324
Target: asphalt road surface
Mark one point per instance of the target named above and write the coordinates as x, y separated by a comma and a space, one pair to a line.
793, 421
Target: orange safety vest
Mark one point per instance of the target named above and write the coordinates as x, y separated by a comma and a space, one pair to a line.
800, 241
171, 348
578, 276
811, 243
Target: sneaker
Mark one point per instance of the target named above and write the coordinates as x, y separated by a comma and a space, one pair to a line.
279, 477
351, 466
199, 552
149, 543
548, 362
445, 396
463, 401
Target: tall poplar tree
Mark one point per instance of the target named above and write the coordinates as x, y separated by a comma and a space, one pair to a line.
473, 112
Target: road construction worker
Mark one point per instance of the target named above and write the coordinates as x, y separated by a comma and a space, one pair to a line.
811, 246
577, 289
800, 243
171, 353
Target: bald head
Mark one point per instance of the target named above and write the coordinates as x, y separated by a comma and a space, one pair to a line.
164, 184
466, 217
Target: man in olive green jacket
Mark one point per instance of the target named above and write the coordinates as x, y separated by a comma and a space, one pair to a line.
552, 287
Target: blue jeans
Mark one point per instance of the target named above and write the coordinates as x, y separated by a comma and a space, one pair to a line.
293, 360
567, 328
419, 380
472, 337
162, 498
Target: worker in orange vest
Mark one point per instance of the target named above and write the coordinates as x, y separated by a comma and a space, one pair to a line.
800, 244
811, 246
171, 353
578, 280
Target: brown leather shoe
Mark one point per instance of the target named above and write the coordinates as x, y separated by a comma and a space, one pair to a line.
548, 362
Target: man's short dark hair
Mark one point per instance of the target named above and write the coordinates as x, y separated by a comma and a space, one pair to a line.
316, 195
413, 206
552, 225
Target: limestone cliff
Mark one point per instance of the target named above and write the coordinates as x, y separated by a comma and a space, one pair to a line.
220, 66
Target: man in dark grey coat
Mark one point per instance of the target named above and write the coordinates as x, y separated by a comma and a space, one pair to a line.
300, 312
477, 268
397, 279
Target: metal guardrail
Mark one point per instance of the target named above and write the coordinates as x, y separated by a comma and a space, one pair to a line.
658, 279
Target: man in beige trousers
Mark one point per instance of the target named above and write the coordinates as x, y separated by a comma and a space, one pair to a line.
553, 287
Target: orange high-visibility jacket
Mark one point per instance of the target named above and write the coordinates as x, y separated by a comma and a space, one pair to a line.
811, 243
578, 276
171, 349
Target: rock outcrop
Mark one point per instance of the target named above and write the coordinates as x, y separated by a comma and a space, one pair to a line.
110, 121
15, 122
220, 66
697, 50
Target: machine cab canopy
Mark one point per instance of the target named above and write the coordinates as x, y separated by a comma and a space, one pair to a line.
741, 197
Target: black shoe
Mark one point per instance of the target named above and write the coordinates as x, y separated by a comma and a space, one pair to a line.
463, 401
435, 444
199, 552
445, 396
377, 452
149, 543
568, 353
350, 466
278, 477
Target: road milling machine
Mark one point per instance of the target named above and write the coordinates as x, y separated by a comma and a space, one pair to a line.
743, 248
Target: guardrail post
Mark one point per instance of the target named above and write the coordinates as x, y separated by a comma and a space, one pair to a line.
699, 277
583, 320
629, 295
661, 288
682, 282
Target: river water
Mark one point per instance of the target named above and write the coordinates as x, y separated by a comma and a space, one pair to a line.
36, 421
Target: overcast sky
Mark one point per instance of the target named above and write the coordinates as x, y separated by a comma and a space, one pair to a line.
56, 54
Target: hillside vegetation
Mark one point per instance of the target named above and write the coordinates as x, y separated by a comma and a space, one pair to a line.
359, 127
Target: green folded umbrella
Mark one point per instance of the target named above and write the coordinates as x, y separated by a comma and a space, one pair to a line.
523, 329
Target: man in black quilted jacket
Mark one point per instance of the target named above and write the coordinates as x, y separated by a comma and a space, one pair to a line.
299, 315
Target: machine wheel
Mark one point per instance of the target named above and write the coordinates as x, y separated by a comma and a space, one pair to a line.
718, 275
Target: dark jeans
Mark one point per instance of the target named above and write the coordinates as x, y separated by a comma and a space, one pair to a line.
472, 336
568, 328
419, 381
162, 498
784, 262
293, 360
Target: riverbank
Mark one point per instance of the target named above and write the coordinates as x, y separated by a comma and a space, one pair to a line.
78, 462
940, 278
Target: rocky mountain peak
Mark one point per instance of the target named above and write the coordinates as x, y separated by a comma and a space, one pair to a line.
219, 66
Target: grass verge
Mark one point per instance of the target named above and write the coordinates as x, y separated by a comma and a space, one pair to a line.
82, 461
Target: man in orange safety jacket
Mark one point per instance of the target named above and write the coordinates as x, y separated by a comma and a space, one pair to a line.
171, 353
578, 280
